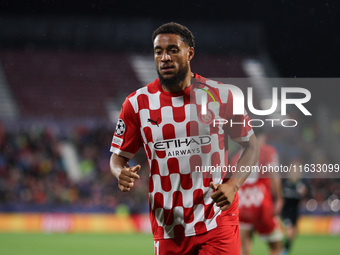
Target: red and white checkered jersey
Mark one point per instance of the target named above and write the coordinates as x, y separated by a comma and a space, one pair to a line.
177, 138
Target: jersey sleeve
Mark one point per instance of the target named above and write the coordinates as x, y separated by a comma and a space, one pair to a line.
239, 127
126, 140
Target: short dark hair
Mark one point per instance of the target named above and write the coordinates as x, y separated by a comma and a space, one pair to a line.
177, 29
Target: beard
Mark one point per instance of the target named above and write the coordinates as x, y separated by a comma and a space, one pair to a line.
173, 82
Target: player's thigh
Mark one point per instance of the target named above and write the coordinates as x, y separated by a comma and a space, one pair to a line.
184, 245
224, 240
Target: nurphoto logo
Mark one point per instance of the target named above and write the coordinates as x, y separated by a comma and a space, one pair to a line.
295, 96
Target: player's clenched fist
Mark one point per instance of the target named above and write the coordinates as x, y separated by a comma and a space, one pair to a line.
223, 196
127, 177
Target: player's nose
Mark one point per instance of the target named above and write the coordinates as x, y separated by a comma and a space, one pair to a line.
165, 56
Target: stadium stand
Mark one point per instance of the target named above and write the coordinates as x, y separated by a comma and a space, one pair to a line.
64, 84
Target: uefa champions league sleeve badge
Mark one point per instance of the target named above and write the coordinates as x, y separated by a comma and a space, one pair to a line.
120, 127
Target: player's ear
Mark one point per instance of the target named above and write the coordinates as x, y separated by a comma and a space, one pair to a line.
191, 53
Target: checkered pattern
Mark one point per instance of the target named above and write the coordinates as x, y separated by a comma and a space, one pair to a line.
180, 202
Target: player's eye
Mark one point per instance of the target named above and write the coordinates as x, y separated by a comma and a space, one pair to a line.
158, 52
174, 50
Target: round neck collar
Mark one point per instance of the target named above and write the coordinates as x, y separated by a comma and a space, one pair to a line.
179, 93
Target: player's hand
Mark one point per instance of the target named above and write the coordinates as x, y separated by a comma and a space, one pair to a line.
127, 177
224, 195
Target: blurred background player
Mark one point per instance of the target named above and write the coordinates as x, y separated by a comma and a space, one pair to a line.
258, 212
294, 189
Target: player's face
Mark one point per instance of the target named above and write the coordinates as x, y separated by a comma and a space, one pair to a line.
172, 57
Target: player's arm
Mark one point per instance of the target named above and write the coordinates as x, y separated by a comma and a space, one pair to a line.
275, 182
224, 193
277, 193
125, 174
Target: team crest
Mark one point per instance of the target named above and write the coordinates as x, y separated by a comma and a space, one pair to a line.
207, 118
120, 127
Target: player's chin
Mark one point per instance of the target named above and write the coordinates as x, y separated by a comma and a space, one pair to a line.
168, 75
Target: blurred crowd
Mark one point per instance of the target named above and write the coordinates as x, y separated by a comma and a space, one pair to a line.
34, 177
302, 147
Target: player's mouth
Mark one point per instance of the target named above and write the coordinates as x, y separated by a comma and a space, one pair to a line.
166, 69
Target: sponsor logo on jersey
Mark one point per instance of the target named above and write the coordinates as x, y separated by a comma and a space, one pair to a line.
180, 147
154, 121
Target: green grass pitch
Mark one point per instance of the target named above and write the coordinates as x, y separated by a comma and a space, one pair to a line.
141, 244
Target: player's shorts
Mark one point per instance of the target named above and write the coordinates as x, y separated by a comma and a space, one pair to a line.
267, 232
221, 240
260, 218
290, 212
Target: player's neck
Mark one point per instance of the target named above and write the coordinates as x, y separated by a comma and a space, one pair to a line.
181, 85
